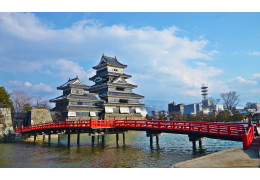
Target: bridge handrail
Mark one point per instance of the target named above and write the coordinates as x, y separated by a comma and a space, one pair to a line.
248, 136
223, 129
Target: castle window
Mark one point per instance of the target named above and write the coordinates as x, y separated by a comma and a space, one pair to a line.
123, 101
120, 89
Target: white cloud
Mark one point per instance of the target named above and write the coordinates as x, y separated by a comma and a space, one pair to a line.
41, 87
242, 80
14, 84
254, 53
149, 52
36, 88
70, 69
27, 84
256, 75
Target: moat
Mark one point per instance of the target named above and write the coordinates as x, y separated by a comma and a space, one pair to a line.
173, 148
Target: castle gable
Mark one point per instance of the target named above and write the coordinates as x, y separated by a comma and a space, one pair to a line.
119, 80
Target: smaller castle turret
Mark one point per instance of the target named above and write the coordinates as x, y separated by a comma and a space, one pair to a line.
75, 103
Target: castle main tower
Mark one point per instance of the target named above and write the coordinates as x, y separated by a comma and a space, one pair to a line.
112, 86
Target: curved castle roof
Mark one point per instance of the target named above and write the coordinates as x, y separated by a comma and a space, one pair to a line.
105, 60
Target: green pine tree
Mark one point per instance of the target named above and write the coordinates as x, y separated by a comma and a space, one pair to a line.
5, 99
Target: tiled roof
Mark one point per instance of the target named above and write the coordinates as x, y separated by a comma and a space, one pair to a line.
86, 96
70, 82
58, 98
112, 84
111, 74
105, 60
123, 94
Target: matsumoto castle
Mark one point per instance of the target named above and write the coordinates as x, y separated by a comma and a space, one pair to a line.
110, 97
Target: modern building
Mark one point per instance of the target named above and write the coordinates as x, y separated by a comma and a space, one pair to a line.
155, 114
193, 108
75, 104
219, 107
254, 106
111, 85
175, 108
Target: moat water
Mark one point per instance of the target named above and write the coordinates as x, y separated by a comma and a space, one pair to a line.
173, 148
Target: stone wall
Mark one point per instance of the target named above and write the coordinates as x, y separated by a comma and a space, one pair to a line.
39, 116
118, 116
6, 125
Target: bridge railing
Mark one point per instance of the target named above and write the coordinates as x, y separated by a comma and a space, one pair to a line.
101, 123
248, 136
223, 129
202, 127
53, 125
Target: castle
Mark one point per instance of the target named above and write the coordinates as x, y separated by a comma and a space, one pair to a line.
110, 97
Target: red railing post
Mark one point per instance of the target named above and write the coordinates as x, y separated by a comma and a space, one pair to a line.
91, 123
22, 128
208, 126
252, 130
245, 139
229, 130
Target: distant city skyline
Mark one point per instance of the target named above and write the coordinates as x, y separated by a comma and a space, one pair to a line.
169, 55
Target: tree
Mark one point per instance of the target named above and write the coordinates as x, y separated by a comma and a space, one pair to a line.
230, 99
39, 103
148, 117
21, 100
162, 117
224, 116
213, 103
5, 100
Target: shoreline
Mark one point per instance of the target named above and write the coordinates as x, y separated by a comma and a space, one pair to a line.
229, 158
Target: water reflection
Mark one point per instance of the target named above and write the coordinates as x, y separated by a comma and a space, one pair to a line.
135, 153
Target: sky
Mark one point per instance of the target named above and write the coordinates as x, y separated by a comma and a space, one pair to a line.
169, 55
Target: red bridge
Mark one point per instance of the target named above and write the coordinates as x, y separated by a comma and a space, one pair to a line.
195, 130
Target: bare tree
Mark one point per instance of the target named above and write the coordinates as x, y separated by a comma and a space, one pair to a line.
45, 104
21, 100
213, 102
230, 99
39, 103
36, 101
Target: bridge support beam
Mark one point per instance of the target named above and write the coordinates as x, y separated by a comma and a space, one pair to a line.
49, 138
117, 139
58, 138
78, 138
103, 140
194, 138
151, 135
98, 139
68, 143
34, 138
93, 140
157, 140
124, 138
151, 140
194, 145
200, 143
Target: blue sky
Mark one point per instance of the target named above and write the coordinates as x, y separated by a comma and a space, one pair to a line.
169, 55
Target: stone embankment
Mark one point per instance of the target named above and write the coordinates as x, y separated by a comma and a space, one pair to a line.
230, 158
6, 126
